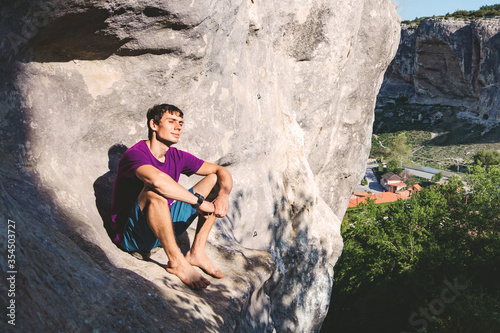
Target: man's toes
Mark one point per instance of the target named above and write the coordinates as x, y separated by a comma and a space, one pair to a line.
205, 282
202, 284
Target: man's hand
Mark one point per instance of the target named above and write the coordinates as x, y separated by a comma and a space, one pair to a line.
206, 207
225, 182
221, 205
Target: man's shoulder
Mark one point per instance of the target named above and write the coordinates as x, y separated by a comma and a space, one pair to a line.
135, 156
182, 154
140, 145
188, 162
177, 153
139, 148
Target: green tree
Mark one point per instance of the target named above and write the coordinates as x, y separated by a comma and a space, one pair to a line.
399, 149
437, 177
395, 166
487, 157
397, 258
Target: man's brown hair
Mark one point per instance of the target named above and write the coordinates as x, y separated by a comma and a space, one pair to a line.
157, 112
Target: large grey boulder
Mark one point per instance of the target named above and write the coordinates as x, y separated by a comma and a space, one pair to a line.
282, 93
450, 62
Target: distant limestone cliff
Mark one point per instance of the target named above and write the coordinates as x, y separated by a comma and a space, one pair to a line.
449, 62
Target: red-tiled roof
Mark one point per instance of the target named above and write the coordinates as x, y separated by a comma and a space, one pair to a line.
403, 194
415, 187
400, 184
385, 197
378, 197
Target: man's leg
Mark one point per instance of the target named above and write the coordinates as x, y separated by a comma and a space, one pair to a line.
196, 255
155, 207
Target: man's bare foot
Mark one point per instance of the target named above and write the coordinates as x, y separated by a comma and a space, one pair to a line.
201, 260
187, 274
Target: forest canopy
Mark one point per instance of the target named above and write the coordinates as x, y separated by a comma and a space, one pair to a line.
428, 264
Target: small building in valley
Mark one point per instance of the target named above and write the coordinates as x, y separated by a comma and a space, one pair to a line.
392, 182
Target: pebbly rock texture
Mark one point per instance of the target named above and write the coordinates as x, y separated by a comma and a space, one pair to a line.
450, 62
282, 93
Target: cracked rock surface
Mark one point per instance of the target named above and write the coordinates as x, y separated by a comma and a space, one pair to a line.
281, 93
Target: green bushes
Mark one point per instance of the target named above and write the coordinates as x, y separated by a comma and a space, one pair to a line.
487, 157
437, 177
400, 262
483, 12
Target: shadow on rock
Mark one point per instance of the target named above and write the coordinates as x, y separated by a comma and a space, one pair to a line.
103, 186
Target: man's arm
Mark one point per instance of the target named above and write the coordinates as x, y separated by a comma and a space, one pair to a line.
225, 181
164, 185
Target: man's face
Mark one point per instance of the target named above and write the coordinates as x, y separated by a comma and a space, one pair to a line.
169, 129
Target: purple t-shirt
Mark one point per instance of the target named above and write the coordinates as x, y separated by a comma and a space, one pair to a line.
128, 187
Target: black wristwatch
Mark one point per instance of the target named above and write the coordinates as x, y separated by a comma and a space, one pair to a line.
200, 200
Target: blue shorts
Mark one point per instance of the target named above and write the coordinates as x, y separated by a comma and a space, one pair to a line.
137, 236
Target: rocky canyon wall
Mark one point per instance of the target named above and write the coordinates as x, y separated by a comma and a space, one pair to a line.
280, 92
449, 62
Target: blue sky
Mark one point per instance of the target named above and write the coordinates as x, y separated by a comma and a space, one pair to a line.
409, 9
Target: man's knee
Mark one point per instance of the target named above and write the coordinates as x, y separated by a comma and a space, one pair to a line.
212, 179
149, 197
214, 187
206, 186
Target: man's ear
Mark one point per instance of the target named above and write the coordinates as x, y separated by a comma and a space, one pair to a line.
153, 125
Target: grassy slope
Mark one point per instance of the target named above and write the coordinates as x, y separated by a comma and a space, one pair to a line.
437, 137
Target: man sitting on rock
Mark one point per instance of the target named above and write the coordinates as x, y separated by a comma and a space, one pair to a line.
150, 209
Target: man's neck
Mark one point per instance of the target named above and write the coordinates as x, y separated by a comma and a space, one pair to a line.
158, 149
